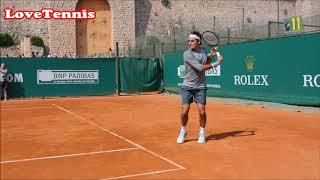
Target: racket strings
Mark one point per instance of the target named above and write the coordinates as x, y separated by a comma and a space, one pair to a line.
210, 38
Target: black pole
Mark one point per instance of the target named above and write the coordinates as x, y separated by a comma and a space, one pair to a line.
162, 44
269, 29
129, 50
154, 50
242, 24
174, 39
278, 17
117, 70
117, 49
214, 23
228, 35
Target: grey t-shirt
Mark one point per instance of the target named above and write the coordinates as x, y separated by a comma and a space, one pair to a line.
3, 73
194, 74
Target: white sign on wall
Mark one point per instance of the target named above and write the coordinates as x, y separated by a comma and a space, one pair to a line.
68, 77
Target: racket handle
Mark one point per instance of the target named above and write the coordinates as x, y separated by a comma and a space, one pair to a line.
215, 64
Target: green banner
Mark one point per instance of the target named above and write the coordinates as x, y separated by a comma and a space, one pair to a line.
285, 70
34, 77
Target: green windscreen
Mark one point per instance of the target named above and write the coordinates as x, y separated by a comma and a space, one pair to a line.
140, 75
285, 70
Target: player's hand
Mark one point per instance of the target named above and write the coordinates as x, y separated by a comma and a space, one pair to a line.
220, 58
212, 53
213, 50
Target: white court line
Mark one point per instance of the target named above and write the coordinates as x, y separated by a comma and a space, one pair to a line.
63, 98
25, 108
67, 155
123, 138
142, 174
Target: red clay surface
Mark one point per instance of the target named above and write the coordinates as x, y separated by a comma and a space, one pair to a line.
135, 137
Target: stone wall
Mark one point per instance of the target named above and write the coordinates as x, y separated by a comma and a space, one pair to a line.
15, 51
132, 20
12, 51
123, 21
61, 33
246, 16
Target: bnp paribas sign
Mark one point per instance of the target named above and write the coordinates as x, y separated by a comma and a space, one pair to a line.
68, 77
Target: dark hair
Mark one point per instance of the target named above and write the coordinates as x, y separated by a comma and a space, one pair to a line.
197, 34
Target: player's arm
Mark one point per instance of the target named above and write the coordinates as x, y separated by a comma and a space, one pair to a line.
211, 55
3, 70
188, 58
219, 60
214, 51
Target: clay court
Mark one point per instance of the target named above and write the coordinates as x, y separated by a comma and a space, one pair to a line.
135, 137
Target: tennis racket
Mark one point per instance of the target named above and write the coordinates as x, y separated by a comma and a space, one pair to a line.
211, 39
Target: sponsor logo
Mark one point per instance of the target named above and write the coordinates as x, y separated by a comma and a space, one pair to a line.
216, 71
68, 77
208, 85
250, 62
251, 80
311, 80
13, 77
214, 86
181, 71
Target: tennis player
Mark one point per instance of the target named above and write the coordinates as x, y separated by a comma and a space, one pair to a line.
4, 82
196, 62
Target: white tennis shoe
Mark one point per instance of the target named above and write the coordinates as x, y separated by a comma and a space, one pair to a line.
202, 138
181, 137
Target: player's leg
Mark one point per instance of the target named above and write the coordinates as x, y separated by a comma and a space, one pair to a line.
5, 93
202, 115
1, 90
5, 90
184, 117
201, 104
184, 114
187, 98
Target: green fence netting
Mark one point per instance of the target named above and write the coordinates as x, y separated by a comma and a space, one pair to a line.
140, 75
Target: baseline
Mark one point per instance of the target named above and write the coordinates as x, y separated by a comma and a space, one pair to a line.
6, 109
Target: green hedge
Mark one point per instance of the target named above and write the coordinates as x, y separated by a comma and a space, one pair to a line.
37, 41
6, 40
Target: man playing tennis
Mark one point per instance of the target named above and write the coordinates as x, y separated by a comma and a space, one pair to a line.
194, 87
3, 81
